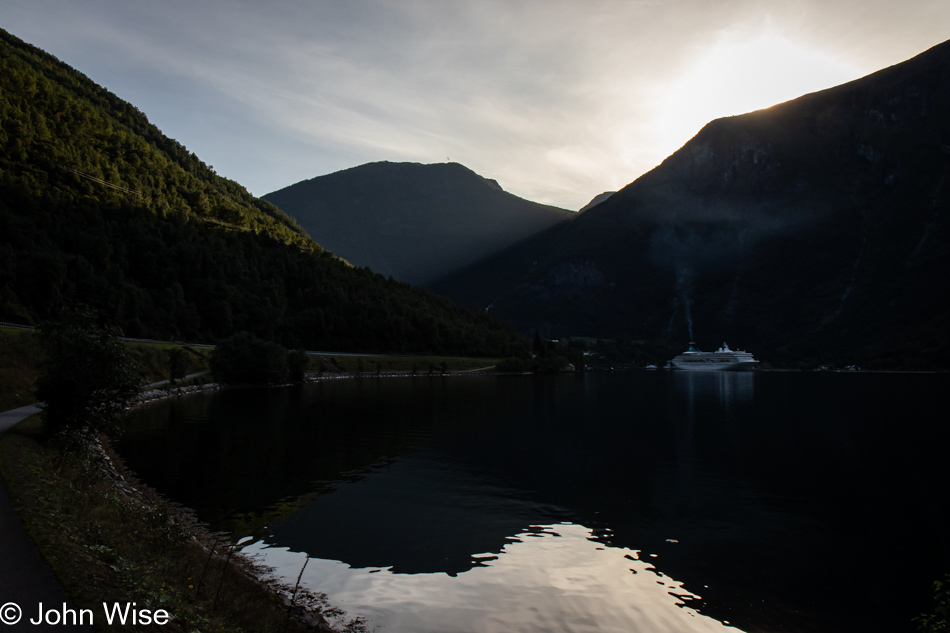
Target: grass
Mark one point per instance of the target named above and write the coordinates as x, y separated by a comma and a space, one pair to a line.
109, 541
152, 360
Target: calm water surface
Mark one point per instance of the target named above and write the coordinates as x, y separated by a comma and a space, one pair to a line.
602, 502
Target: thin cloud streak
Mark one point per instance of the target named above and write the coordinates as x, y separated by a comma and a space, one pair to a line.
555, 99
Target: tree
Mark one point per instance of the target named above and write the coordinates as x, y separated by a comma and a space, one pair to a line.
511, 364
551, 363
575, 357
297, 365
939, 620
177, 363
88, 376
244, 358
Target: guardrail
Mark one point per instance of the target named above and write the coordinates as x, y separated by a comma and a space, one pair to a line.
17, 326
20, 326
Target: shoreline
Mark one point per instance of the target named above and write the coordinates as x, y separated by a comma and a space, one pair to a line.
106, 481
303, 605
158, 394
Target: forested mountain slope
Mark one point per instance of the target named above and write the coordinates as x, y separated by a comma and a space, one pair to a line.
98, 207
815, 230
414, 222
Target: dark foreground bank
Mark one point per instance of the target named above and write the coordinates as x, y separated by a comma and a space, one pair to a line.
112, 541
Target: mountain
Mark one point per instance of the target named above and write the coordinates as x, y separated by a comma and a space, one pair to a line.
597, 200
411, 221
816, 230
98, 207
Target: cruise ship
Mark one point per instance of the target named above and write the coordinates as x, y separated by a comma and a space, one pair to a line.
723, 359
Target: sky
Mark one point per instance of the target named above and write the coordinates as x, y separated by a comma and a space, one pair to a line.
557, 100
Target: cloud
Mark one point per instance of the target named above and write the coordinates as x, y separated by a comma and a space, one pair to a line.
557, 100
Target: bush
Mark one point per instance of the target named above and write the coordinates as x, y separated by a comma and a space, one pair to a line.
551, 364
177, 364
576, 357
244, 358
512, 365
88, 376
297, 365
939, 620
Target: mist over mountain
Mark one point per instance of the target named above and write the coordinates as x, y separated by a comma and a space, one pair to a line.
813, 230
411, 221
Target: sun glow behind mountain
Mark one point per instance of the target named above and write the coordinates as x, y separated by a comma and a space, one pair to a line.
736, 77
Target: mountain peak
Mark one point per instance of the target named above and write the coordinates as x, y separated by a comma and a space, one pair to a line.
416, 222
601, 197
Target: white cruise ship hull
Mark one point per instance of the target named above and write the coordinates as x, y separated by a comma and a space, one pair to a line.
723, 359
716, 366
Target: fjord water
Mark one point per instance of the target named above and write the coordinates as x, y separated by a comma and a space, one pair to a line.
641, 501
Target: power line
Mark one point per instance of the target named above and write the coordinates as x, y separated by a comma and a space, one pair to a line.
96, 179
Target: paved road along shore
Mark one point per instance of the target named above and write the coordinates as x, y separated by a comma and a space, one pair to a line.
25, 578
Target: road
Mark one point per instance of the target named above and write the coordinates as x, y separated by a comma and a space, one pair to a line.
25, 578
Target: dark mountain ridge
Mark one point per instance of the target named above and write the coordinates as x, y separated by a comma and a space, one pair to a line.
813, 230
412, 221
597, 200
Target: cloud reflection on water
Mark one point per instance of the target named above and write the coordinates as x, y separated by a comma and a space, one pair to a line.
553, 578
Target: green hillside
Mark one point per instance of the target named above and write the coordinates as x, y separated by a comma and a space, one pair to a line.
97, 206
66, 140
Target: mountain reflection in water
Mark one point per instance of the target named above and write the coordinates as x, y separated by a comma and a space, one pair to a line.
793, 502
552, 578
